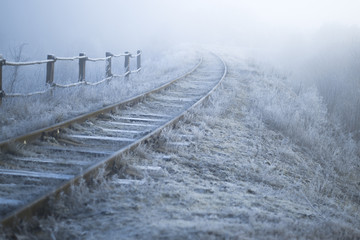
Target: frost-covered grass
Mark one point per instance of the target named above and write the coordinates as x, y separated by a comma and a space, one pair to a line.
329, 60
259, 162
332, 154
23, 114
304, 118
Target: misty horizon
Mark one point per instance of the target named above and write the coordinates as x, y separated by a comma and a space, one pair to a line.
67, 27
256, 134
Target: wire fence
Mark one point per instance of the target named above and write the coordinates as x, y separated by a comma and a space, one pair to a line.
82, 59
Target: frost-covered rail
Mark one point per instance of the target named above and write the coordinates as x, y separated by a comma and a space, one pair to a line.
44, 163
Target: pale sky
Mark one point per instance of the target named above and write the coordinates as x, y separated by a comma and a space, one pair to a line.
307, 14
66, 24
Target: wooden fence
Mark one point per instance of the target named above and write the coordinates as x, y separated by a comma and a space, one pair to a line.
82, 59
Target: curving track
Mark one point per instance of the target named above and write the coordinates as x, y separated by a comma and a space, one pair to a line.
44, 163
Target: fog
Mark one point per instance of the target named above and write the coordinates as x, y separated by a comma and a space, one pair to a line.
314, 42
67, 27
288, 125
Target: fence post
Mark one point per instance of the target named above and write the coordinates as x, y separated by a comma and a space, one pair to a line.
50, 69
82, 62
127, 64
138, 59
108, 64
2, 62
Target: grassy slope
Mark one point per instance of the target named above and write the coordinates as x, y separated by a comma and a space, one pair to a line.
261, 163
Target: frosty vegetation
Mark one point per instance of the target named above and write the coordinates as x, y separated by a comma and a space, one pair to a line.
22, 114
274, 155
329, 62
262, 160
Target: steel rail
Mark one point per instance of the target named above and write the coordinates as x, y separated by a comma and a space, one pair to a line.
37, 133
108, 163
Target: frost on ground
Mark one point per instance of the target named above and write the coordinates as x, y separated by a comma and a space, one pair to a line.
258, 161
21, 115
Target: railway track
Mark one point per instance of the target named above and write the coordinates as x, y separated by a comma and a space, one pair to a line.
44, 163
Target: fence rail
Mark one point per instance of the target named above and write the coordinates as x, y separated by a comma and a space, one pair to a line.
82, 59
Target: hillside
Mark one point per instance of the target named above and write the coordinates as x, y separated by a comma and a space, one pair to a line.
259, 161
